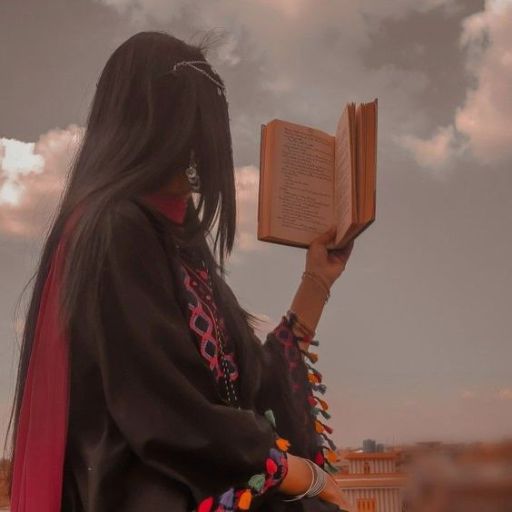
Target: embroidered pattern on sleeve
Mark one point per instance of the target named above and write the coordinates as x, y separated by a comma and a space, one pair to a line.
200, 319
240, 498
200, 304
317, 406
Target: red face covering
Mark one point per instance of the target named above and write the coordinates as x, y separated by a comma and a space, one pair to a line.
42, 430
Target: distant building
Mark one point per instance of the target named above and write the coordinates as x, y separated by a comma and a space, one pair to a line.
372, 480
369, 445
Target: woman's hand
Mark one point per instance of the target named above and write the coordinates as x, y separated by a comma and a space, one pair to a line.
327, 264
332, 493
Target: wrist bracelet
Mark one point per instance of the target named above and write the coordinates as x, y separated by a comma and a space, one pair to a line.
293, 321
319, 281
317, 485
299, 496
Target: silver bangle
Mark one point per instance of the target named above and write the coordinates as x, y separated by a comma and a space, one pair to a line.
321, 480
317, 485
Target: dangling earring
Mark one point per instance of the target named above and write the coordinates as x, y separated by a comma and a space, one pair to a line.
192, 174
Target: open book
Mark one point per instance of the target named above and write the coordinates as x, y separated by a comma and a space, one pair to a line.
310, 179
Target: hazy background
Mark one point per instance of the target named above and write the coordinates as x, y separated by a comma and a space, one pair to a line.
415, 342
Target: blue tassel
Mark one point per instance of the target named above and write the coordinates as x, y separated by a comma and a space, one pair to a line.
329, 441
321, 388
227, 499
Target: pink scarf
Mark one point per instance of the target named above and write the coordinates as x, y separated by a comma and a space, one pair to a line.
42, 430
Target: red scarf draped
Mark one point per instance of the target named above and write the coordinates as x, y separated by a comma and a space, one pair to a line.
42, 429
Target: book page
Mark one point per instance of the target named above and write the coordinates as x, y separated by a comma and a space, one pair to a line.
302, 204
343, 183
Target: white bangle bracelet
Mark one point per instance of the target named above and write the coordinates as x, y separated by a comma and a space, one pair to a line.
299, 496
317, 485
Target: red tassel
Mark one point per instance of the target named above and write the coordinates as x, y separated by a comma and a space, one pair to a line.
205, 505
319, 458
271, 466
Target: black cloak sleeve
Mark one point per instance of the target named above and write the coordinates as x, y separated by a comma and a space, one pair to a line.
290, 382
157, 388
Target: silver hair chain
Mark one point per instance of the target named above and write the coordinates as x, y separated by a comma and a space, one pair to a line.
191, 63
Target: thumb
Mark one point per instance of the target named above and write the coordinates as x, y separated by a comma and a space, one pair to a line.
326, 236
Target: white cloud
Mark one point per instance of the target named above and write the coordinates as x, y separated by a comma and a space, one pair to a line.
247, 184
17, 159
482, 126
32, 176
435, 152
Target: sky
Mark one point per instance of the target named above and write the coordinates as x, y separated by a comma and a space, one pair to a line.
415, 341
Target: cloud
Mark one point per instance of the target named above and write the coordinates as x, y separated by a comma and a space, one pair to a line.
32, 176
295, 59
436, 152
481, 127
505, 394
247, 183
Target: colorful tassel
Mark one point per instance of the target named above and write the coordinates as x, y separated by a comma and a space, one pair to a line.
321, 388
282, 444
316, 411
330, 468
269, 414
323, 403
329, 441
205, 505
328, 428
314, 342
310, 355
257, 481
319, 458
227, 499
244, 502
271, 466
330, 455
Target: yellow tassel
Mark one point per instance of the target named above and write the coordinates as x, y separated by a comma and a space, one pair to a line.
324, 404
282, 444
244, 502
312, 356
313, 378
319, 427
330, 455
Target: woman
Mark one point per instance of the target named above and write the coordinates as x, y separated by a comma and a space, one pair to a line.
141, 383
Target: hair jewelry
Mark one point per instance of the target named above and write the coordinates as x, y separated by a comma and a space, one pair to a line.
191, 63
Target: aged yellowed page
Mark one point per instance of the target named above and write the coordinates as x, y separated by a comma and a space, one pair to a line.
344, 174
302, 187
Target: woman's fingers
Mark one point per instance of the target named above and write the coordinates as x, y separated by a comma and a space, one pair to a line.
325, 237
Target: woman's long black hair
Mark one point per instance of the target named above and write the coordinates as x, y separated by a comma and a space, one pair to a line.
143, 123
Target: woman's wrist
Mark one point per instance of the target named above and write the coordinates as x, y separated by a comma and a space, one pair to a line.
308, 304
